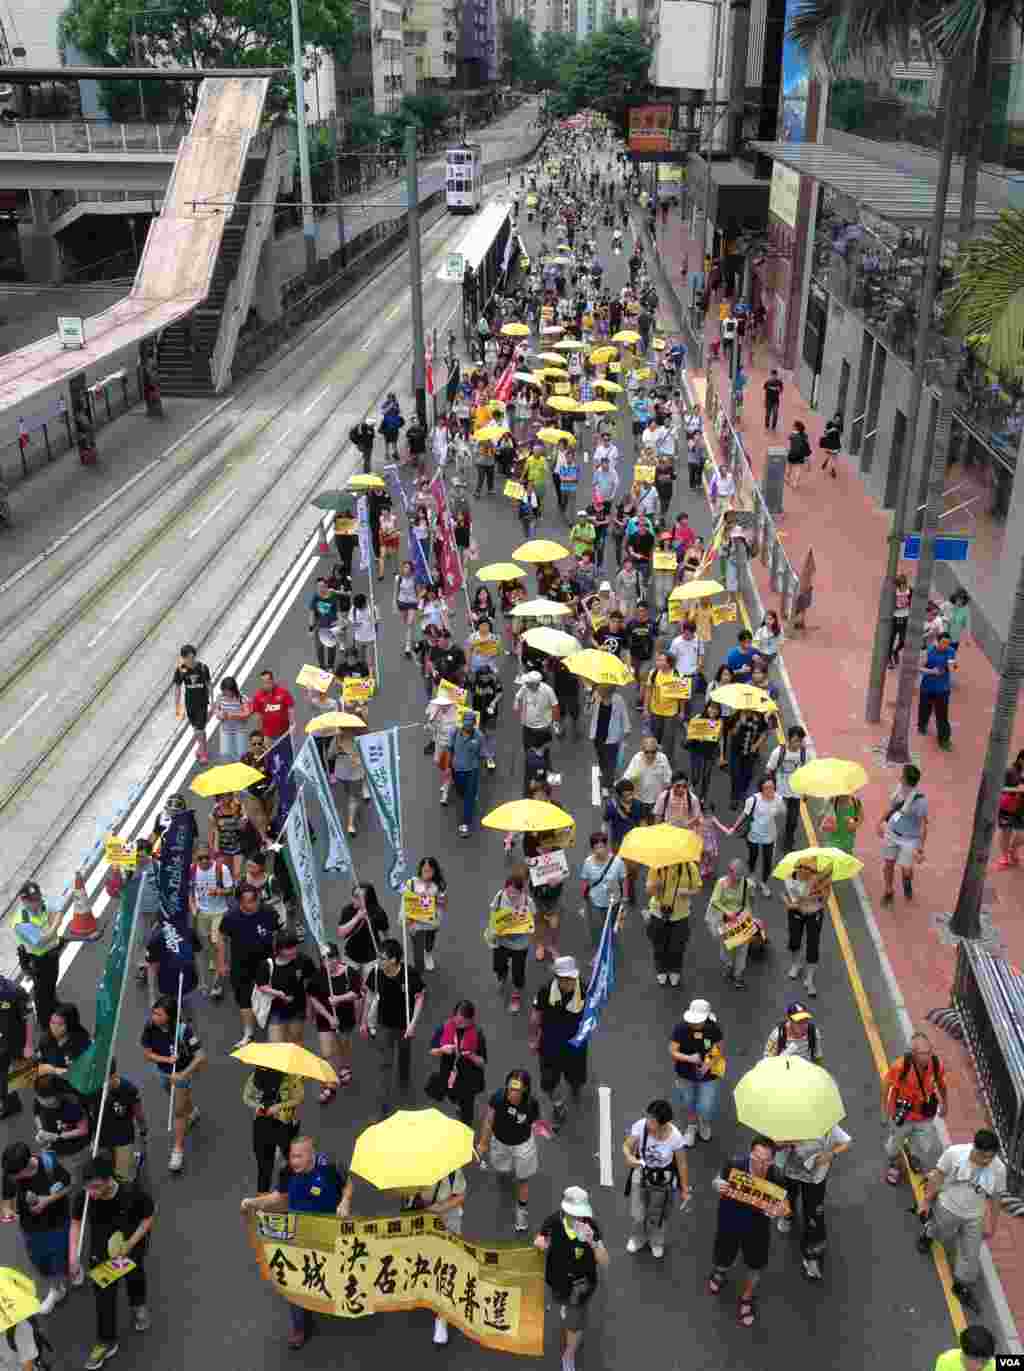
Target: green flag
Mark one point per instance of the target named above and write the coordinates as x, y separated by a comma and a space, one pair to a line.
88, 1073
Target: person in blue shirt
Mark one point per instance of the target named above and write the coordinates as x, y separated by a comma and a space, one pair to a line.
740, 659
466, 746
936, 682
310, 1184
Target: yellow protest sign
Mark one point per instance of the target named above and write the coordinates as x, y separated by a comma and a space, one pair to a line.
418, 908
314, 678
723, 614
485, 647
507, 922
665, 561
597, 622
563, 388
344, 527
514, 490
357, 690
642, 472
452, 693
110, 1271
676, 611
704, 730
615, 368
680, 689
742, 932
750, 1190
118, 852
491, 1292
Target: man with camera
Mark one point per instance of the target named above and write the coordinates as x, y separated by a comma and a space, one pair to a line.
913, 1094
960, 1207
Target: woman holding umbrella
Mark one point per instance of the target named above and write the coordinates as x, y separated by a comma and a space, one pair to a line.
275, 1100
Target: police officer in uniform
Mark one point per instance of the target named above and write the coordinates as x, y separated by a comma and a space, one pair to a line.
39, 947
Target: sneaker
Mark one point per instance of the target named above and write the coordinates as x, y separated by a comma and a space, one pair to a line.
810, 987
690, 1135
100, 1354
297, 1339
79, 1278
704, 1129
244, 1040
657, 1249
12, 1107
661, 978
515, 1004
784, 1225
522, 1224
141, 1318
54, 1296
967, 1297
636, 1244
674, 978
193, 1119
812, 1268
440, 1332
794, 970
765, 888
491, 764
217, 989
463, 830
444, 794
924, 1246
428, 961
177, 1161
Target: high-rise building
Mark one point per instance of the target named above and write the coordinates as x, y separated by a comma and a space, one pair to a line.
431, 38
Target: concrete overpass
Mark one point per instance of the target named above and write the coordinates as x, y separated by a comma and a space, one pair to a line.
79, 155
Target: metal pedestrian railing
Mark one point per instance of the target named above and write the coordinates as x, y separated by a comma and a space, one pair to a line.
39, 136
988, 995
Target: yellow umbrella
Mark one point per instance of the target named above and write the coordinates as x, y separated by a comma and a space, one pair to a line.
661, 845
565, 403
696, 590
515, 330
570, 345
553, 374
527, 816
363, 482
412, 1149
738, 696
827, 861
602, 668
500, 571
490, 433
597, 407
541, 550
788, 1099
555, 435
643, 373
565, 247
604, 354
658, 344
553, 357
551, 641
18, 1298
336, 718
828, 776
626, 335
288, 1058
226, 780
539, 609
612, 387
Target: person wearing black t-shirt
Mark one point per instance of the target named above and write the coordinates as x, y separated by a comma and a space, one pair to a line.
120, 1215
289, 971
173, 1046
62, 1124
249, 926
507, 1138
571, 1242
38, 1188
395, 996
611, 637
334, 992
640, 637
192, 678
742, 1228
15, 1040
123, 1118
362, 926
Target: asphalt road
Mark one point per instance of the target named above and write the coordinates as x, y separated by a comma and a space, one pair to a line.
207, 1299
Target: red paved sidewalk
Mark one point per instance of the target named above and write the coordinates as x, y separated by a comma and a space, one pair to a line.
829, 666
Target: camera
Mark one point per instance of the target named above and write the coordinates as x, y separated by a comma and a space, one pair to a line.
899, 1114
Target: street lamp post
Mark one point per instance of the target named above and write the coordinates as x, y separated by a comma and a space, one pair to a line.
305, 180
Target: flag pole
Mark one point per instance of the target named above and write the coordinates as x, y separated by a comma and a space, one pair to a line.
113, 1040
177, 1044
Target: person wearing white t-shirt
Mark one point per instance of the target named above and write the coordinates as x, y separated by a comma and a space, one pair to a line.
211, 882
806, 1170
538, 709
961, 1203
656, 1156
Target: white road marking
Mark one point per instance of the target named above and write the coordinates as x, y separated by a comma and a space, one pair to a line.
313, 403
126, 606
25, 717
595, 786
273, 447
369, 341
216, 510
604, 1133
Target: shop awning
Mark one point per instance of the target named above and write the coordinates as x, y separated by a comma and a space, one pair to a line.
890, 193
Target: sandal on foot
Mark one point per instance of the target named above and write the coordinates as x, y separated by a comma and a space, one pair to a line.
345, 1076
326, 1094
894, 1175
746, 1312
715, 1283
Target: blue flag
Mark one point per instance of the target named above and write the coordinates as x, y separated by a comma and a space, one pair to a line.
602, 983
279, 762
420, 569
174, 868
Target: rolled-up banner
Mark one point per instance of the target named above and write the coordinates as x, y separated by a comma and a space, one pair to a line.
174, 868
295, 832
279, 761
311, 768
381, 760
365, 546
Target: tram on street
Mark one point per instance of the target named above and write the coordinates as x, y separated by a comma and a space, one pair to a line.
464, 178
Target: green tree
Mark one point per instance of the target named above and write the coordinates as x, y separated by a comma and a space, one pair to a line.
519, 61
365, 129
605, 71
233, 33
554, 51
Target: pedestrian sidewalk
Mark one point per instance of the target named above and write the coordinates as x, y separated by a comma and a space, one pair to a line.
829, 665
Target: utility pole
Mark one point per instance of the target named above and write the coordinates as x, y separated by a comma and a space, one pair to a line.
419, 351
712, 121
305, 180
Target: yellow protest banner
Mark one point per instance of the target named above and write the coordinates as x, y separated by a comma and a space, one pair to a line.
452, 693
418, 909
644, 473
314, 678
110, 1271
485, 647
665, 561
750, 1190
676, 690
676, 611
507, 922
514, 490
723, 614
742, 932
614, 368
344, 527
351, 1268
118, 852
356, 690
563, 388
704, 730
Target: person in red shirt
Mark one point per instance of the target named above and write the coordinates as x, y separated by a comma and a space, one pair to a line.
274, 706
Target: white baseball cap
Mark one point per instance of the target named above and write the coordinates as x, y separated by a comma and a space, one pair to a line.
576, 1202
698, 1012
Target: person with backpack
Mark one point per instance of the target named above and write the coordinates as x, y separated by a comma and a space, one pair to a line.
796, 1036
798, 453
36, 1192
784, 760
914, 1094
655, 1153
730, 916
667, 917
508, 1141
807, 894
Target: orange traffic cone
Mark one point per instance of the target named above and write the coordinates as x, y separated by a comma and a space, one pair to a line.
82, 928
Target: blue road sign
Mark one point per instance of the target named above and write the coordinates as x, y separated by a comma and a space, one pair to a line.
948, 548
